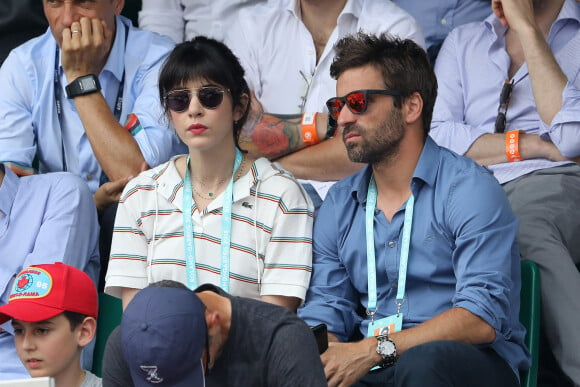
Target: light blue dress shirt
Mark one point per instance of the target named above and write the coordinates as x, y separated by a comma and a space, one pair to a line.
471, 69
463, 253
29, 124
43, 219
438, 18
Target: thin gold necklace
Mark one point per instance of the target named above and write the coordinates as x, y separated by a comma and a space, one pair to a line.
211, 195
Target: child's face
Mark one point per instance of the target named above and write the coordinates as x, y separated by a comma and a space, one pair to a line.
47, 348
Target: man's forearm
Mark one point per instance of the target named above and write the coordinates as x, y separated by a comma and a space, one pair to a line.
490, 149
114, 147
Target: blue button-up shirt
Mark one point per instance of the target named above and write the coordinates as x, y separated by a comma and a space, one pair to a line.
463, 253
43, 219
29, 124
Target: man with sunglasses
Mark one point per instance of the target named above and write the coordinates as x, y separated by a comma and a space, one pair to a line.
416, 253
172, 336
510, 99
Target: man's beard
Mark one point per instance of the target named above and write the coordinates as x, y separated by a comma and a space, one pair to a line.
382, 142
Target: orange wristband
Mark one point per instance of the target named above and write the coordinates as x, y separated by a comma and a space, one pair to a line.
512, 142
309, 134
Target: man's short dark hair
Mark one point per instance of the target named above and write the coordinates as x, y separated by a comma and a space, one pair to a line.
404, 65
75, 319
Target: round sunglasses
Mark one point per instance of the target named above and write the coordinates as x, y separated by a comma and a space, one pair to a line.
357, 101
210, 97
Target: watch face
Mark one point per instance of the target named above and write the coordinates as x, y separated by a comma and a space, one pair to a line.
87, 84
386, 347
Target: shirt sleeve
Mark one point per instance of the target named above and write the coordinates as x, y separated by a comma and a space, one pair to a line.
331, 298
448, 127
156, 141
17, 134
129, 248
288, 258
287, 369
486, 257
165, 17
564, 130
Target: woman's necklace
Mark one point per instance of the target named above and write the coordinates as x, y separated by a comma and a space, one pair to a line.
211, 195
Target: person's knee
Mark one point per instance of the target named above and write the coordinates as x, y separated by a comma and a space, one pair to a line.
429, 361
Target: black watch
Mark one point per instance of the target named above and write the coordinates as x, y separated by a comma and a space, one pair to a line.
387, 349
86, 84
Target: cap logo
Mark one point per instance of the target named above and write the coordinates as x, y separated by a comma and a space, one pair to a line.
152, 376
31, 283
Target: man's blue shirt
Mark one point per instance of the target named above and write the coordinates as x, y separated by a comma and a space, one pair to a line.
29, 125
463, 253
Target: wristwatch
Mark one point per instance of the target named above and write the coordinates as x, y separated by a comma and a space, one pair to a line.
86, 84
387, 349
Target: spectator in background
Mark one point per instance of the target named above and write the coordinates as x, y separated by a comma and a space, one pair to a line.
440, 288
234, 340
286, 49
185, 19
528, 54
53, 310
20, 20
438, 18
77, 128
214, 215
43, 219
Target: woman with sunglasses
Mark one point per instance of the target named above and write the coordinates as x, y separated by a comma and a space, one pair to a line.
214, 215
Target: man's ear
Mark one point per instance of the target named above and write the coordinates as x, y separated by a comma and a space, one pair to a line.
240, 109
412, 108
119, 4
86, 331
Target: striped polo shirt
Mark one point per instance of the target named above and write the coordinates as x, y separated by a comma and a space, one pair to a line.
271, 240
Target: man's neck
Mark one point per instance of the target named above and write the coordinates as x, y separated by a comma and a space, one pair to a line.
1, 174
393, 176
546, 12
320, 18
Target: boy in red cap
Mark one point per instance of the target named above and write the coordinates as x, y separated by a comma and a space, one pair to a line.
53, 309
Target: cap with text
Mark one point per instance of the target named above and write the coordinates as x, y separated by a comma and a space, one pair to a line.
41, 292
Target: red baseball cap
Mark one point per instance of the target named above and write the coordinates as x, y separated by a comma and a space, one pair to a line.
41, 292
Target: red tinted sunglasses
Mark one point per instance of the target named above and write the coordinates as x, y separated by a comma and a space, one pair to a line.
357, 101
210, 97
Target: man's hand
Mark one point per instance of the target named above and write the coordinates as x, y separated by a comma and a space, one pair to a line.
514, 13
85, 48
346, 363
110, 192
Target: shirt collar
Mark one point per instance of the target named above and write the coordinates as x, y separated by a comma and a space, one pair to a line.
425, 172
8, 191
352, 7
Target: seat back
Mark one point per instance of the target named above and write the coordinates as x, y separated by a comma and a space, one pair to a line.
530, 318
110, 312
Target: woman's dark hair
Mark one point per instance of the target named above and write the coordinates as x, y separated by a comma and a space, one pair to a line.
211, 60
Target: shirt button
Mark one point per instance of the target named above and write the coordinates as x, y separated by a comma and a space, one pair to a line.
443, 22
391, 244
89, 176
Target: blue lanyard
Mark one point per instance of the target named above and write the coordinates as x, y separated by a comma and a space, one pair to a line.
370, 239
226, 228
58, 100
